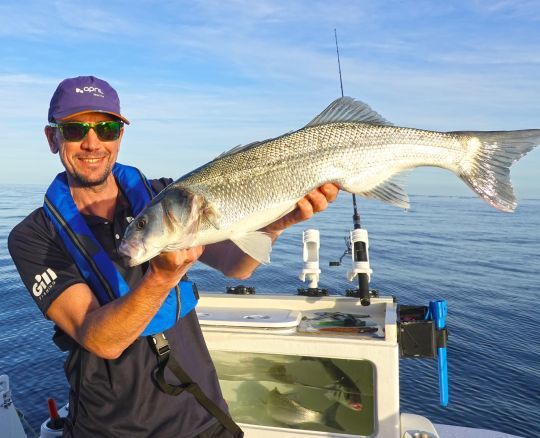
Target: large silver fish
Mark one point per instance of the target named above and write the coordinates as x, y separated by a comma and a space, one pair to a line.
349, 144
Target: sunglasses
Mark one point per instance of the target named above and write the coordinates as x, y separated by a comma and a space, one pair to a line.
76, 131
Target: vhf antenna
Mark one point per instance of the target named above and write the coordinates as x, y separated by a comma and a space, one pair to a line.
339, 67
356, 216
358, 248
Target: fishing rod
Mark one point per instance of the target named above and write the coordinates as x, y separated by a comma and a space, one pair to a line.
357, 245
356, 216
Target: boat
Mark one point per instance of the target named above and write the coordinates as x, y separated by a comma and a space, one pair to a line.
286, 347
312, 364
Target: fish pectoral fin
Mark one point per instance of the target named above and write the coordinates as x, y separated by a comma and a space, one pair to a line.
174, 246
347, 109
389, 191
255, 244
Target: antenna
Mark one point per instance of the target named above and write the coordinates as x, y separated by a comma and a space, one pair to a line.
339, 64
358, 248
356, 216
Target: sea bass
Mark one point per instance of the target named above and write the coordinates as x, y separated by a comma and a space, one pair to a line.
348, 144
335, 384
284, 409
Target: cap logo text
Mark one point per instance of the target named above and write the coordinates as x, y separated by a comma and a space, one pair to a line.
95, 91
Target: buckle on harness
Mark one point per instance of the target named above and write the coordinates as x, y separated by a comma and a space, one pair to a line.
161, 345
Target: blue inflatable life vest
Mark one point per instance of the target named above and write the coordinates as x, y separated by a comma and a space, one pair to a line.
92, 260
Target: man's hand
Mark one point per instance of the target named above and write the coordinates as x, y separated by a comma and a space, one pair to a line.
169, 267
109, 329
314, 202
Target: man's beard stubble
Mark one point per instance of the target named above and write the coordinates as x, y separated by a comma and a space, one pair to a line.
82, 181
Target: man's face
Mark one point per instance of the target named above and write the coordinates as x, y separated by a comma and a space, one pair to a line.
88, 162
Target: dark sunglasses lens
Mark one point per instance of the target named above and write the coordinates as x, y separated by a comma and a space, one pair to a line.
108, 131
74, 131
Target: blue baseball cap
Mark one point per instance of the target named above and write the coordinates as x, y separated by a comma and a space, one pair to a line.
84, 94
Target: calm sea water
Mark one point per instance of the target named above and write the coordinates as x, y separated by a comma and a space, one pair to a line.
485, 263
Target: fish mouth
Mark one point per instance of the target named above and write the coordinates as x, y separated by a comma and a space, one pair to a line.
134, 254
356, 406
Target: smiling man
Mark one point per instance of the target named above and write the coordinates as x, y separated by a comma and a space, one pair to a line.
138, 365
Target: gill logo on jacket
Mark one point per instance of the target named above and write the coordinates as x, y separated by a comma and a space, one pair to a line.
44, 282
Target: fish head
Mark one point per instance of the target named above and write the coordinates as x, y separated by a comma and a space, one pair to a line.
170, 222
351, 400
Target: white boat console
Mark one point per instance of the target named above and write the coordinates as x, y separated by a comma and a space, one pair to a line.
292, 366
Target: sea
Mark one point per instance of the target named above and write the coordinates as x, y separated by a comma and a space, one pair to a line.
485, 263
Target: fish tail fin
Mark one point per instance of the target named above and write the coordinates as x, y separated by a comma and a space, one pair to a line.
486, 164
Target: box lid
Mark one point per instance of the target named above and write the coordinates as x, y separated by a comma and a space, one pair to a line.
248, 317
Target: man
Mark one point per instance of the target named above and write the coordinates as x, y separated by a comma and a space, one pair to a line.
60, 250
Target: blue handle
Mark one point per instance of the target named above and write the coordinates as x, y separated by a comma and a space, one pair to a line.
439, 310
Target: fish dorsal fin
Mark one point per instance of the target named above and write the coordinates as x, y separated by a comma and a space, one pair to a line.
239, 148
347, 109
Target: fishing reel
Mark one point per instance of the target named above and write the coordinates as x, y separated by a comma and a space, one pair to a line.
348, 251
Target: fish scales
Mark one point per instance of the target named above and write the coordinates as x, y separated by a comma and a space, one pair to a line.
290, 166
349, 144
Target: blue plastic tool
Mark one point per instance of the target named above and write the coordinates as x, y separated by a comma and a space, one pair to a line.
439, 310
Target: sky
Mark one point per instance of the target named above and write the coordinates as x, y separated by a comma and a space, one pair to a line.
196, 78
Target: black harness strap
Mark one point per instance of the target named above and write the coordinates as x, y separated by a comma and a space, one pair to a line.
165, 359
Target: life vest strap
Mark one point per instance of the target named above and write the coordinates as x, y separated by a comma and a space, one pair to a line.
160, 344
95, 265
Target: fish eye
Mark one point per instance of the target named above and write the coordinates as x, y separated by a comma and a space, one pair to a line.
140, 224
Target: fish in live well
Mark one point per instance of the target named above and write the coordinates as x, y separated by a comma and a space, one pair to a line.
349, 144
344, 390
287, 411
341, 388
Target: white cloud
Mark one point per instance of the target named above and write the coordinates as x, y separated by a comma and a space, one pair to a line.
197, 78
92, 18
523, 9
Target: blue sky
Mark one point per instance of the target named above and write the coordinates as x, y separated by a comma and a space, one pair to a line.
196, 78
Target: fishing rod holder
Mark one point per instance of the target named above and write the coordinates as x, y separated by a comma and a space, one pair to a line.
360, 254
360, 264
357, 244
312, 244
311, 272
